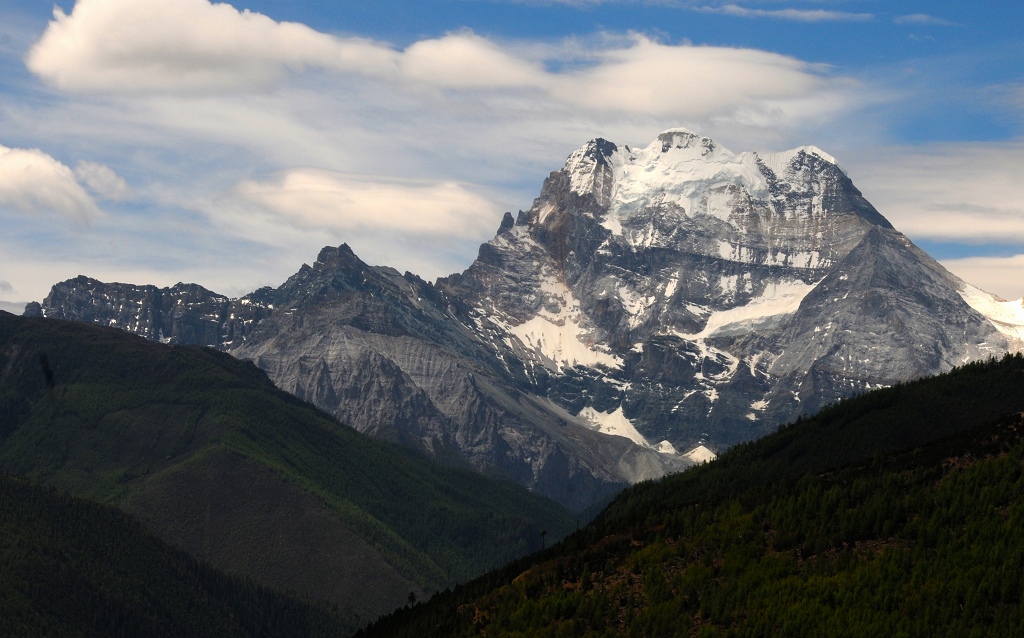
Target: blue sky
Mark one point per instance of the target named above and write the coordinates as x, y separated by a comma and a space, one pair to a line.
156, 142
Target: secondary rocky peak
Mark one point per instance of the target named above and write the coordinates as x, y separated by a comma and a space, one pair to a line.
337, 273
335, 257
507, 222
590, 170
596, 151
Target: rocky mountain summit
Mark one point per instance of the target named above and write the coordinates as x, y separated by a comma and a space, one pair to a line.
709, 296
675, 298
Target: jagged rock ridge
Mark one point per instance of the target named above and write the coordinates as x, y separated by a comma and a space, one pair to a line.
182, 314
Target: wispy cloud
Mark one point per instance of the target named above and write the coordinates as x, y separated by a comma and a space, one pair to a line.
102, 180
949, 192
798, 15
316, 199
151, 46
298, 105
186, 45
923, 19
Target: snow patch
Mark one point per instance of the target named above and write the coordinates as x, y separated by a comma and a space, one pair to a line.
670, 287
666, 448
701, 454
778, 300
558, 336
1006, 316
612, 223
544, 211
614, 423
634, 305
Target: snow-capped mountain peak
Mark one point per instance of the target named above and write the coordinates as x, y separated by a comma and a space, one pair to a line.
707, 292
681, 174
678, 293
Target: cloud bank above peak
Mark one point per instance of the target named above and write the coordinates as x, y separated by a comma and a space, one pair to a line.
315, 199
189, 124
186, 45
130, 47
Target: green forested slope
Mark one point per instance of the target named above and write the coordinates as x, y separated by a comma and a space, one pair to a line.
899, 513
208, 454
70, 567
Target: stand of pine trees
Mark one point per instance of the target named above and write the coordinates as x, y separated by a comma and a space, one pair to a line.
899, 513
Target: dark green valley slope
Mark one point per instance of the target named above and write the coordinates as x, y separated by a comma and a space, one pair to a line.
897, 513
71, 567
211, 457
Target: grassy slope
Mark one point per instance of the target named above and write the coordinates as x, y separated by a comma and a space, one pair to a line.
175, 434
70, 567
897, 513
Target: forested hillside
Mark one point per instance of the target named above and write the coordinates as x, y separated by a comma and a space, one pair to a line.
898, 513
211, 457
70, 567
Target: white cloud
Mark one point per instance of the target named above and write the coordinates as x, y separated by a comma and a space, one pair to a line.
433, 140
314, 200
922, 19
103, 181
186, 45
132, 46
947, 192
33, 182
650, 78
798, 15
1003, 276
446, 102
464, 60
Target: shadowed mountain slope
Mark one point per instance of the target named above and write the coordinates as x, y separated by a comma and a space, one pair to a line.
900, 512
213, 458
70, 567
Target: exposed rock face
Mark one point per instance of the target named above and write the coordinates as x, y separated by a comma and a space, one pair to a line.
712, 296
184, 314
679, 293
383, 352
